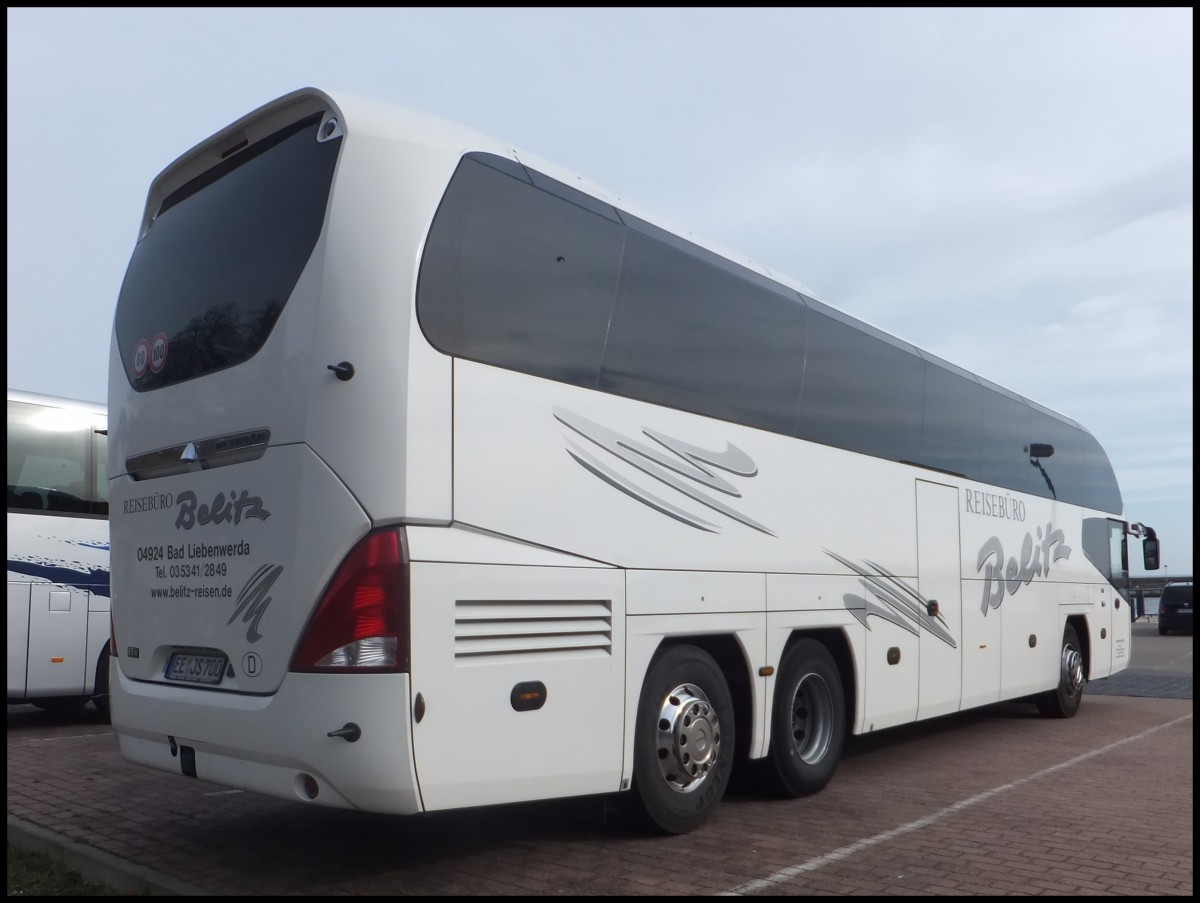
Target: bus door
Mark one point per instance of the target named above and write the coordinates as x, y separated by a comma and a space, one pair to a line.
1100, 626
58, 622
939, 581
1109, 626
1105, 625
18, 638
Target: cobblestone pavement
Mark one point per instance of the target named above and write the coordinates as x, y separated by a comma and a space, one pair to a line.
994, 801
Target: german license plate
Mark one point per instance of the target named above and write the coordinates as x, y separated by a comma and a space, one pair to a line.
195, 668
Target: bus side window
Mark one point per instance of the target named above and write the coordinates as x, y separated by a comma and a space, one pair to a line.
25, 498
68, 501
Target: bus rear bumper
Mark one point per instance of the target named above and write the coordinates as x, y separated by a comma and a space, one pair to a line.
330, 740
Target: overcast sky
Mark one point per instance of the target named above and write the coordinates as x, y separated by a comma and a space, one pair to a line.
1010, 189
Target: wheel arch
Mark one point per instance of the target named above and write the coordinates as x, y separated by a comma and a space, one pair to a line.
734, 663
1079, 622
100, 688
834, 639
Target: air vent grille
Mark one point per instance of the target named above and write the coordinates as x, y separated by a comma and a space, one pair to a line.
491, 628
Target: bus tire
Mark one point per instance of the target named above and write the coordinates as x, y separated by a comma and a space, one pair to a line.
100, 697
683, 741
1063, 701
808, 725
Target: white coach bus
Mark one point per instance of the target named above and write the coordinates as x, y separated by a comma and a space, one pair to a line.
58, 584
442, 478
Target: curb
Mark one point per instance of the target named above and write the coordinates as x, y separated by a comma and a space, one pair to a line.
96, 865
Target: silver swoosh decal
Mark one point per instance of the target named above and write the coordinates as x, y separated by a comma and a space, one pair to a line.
893, 600
671, 461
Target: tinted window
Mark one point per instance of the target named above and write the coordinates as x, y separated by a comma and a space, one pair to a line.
952, 420
1064, 469
56, 459
519, 278
1176, 594
1096, 545
207, 282
523, 272
690, 333
1005, 451
1100, 491
860, 392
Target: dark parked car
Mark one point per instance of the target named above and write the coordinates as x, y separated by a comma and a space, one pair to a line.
1175, 608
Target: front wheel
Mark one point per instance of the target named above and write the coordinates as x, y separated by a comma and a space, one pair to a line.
100, 697
808, 726
683, 742
1063, 701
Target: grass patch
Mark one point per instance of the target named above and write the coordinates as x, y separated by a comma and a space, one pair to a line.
39, 875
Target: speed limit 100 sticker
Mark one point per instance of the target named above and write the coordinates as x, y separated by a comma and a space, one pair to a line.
141, 358
158, 352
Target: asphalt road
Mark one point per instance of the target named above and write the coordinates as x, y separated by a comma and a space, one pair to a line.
993, 801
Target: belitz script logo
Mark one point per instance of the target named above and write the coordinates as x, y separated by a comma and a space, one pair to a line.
1036, 557
687, 469
222, 510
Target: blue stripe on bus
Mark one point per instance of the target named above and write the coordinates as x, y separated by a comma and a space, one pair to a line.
94, 580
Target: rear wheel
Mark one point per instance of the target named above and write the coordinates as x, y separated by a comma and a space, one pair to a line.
1162, 630
808, 726
683, 741
100, 697
1063, 701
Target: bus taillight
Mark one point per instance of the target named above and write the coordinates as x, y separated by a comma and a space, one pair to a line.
361, 622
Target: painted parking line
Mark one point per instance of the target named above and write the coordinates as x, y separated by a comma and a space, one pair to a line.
818, 863
69, 737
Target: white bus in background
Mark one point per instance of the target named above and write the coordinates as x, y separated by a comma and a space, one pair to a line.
442, 478
58, 584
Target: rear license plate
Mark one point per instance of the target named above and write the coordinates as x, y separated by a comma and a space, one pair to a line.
195, 668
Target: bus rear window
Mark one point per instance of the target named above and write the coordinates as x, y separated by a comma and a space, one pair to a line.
212, 274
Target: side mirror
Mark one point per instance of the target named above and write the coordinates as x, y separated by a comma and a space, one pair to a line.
1150, 554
